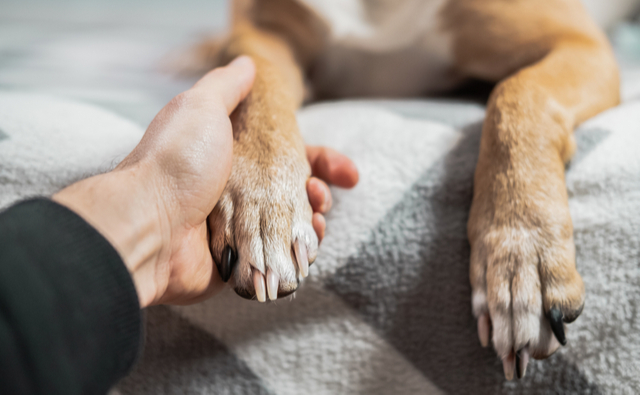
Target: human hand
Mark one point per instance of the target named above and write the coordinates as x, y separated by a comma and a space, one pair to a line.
153, 207
327, 166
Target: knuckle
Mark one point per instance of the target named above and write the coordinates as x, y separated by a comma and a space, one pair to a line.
181, 101
196, 99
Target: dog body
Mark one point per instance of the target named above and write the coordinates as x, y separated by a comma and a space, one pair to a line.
382, 48
553, 68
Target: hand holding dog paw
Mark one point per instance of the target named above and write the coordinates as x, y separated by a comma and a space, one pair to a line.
153, 207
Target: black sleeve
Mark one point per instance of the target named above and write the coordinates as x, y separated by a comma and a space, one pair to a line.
70, 321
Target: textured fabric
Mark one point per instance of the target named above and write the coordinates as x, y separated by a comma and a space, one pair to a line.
51, 142
70, 320
387, 306
188, 360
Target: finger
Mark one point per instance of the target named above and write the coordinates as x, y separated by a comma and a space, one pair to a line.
319, 225
179, 298
231, 83
218, 92
319, 195
332, 167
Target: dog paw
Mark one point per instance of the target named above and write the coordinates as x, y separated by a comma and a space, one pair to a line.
524, 281
261, 233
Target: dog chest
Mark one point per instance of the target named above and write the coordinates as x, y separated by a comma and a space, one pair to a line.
382, 47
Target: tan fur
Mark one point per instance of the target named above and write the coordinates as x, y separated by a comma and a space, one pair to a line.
554, 69
264, 208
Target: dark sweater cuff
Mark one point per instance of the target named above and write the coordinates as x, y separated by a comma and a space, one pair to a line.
69, 300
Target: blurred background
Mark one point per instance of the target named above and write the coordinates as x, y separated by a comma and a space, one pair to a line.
116, 53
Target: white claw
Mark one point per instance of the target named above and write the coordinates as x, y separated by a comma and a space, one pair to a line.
484, 329
509, 365
258, 283
301, 257
273, 281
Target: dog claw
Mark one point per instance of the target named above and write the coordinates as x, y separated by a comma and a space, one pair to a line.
302, 258
484, 329
227, 263
522, 360
508, 365
555, 319
258, 283
273, 281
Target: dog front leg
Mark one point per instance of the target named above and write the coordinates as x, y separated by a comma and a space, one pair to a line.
261, 229
523, 273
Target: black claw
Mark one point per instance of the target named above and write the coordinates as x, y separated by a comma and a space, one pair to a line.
555, 319
227, 263
522, 363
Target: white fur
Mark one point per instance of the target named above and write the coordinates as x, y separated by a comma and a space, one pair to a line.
479, 302
345, 17
371, 50
515, 297
253, 220
608, 12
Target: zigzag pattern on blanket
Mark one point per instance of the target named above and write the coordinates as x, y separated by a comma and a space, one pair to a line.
386, 309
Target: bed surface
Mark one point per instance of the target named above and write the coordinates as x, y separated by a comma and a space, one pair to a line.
387, 306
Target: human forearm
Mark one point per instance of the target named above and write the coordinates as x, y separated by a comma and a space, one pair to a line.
70, 320
124, 207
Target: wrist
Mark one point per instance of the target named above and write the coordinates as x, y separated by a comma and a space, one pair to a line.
124, 209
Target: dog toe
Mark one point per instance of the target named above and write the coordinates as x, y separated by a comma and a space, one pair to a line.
272, 233
523, 294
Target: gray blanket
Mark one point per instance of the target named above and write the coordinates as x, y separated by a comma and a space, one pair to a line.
386, 309
387, 306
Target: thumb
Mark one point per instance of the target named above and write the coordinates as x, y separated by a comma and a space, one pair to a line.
231, 83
